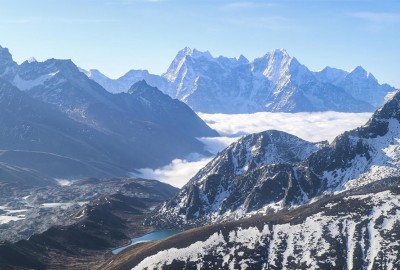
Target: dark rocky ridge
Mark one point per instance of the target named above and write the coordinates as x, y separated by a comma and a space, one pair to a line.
35, 134
64, 118
235, 179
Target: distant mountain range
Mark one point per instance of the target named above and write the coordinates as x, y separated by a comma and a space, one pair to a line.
56, 121
275, 82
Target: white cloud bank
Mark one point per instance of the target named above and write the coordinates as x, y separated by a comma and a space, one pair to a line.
313, 127
178, 172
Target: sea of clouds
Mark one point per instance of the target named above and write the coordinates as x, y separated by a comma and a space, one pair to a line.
312, 127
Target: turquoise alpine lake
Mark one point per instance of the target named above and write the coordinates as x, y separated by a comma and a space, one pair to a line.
157, 235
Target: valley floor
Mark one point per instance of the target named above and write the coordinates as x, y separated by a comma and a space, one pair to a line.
65, 235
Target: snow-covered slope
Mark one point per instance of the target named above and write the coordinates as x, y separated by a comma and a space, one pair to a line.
273, 82
331, 75
7, 64
353, 230
243, 181
359, 83
363, 155
213, 85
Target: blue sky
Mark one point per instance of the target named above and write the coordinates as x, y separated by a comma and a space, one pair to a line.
117, 35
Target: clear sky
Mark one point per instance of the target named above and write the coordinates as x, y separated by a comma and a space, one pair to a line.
117, 35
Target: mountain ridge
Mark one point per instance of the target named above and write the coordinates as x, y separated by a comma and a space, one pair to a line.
67, 114
275, 82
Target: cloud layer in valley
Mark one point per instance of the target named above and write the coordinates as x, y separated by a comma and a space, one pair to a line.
309, 126
178, 172
312, 127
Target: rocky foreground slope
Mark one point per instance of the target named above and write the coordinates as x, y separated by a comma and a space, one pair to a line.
357, 229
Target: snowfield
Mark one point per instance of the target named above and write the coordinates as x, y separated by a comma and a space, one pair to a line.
352, 237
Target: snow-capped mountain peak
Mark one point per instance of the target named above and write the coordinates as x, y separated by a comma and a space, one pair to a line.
194, 53
141, 87
7, 64
198, 54
277, 66
274, 82
5, 55
32, 60
278, 53
186, 51
360, 73
331, 75
242, 59
95, 73
173, 70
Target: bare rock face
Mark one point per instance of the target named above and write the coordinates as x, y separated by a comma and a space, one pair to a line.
254, 172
